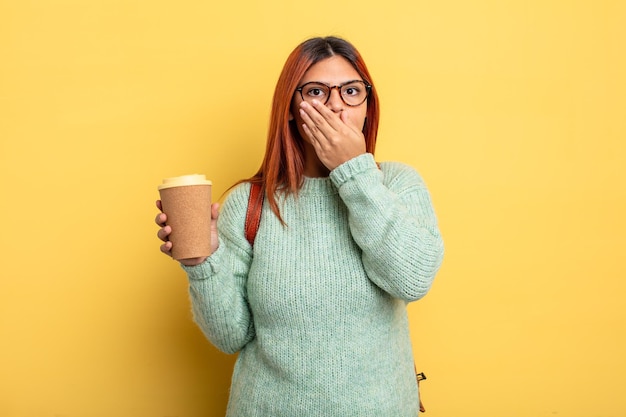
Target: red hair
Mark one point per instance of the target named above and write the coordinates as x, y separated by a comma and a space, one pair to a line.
283, 165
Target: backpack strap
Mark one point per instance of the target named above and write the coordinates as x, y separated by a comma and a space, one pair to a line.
253, 213
420, 377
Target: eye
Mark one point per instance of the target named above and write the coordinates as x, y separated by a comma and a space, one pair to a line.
352, 89
316, 91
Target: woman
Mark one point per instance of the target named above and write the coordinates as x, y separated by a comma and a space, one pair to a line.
316, 307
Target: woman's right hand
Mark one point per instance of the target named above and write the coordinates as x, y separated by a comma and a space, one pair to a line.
165, 231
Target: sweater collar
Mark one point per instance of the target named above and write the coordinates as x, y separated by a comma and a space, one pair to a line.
317, 186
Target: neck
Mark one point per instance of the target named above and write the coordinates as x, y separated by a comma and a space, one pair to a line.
313, 167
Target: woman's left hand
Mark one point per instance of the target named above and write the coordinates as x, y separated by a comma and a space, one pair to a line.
335, 138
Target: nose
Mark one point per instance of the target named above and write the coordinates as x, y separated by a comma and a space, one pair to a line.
335, 102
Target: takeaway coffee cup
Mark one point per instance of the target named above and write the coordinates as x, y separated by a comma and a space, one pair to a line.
186, 201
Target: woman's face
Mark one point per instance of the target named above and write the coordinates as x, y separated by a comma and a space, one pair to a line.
333, 71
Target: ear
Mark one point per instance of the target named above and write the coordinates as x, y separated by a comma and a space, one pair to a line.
290, 116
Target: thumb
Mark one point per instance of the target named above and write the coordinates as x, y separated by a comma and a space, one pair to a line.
345, 118
349, 121
215, 211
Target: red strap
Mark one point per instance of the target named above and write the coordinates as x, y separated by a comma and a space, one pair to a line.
253, 214
420, 377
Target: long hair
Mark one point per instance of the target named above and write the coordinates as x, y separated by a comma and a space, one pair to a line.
283, 165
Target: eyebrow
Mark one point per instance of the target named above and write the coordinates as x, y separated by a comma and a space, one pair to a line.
329, 85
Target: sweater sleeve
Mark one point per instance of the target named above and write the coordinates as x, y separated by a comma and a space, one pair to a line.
217, 287
392, 220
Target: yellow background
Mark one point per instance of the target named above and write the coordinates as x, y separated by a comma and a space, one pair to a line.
514, 113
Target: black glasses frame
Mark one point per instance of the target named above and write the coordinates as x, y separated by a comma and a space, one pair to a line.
368, 89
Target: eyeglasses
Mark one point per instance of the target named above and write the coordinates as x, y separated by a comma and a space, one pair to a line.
353, 93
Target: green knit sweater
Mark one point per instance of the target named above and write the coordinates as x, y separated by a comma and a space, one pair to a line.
317, 308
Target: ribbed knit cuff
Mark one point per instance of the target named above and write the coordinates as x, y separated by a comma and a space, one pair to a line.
351, 168
206, 269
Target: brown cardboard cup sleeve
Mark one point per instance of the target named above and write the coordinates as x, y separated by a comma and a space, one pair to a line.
186, 201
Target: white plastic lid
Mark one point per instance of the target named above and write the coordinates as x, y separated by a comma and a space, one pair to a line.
184, 180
